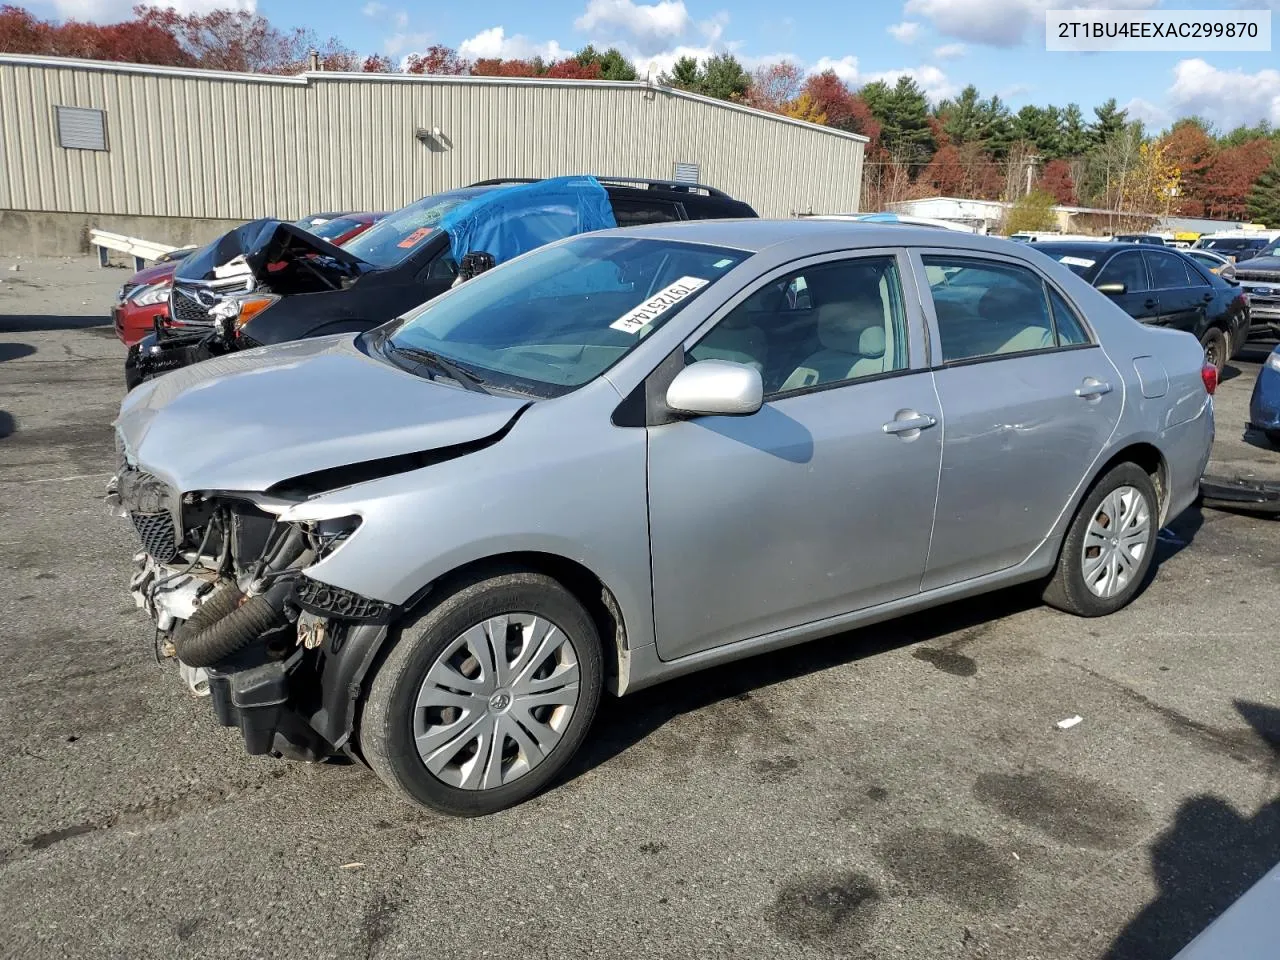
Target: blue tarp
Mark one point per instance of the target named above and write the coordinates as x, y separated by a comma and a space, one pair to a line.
513, 220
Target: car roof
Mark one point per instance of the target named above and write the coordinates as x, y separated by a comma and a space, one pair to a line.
1098, 249
754, 236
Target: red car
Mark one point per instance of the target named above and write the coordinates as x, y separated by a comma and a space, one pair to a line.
145, 295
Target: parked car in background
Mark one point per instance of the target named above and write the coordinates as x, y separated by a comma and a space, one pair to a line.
407, 258
404, 558
1213, 262
338, 228
143, 299
1264, 405
1164, 288
1148, 238
1259, 278
1237, 245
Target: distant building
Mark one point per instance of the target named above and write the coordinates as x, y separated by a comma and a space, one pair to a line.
177, 155
986, 216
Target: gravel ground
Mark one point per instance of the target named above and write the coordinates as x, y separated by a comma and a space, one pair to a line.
897, 791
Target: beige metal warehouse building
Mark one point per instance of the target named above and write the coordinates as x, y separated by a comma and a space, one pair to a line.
178, 155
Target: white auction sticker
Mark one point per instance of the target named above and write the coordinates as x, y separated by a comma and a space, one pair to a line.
634, 320
1076, 261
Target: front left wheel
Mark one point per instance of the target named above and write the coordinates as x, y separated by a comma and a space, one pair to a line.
486, 695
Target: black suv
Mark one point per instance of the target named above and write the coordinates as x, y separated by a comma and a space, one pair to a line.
313, 288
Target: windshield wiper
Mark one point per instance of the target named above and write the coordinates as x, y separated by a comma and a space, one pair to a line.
450, 369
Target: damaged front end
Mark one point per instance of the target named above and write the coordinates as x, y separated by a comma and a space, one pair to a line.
223, 578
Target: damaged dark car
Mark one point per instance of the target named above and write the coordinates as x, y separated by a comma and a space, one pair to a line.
270, 282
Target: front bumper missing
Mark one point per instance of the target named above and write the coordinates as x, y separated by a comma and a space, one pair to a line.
298, 703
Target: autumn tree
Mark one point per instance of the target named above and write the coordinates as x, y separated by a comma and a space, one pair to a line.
1153, 182
1191, 148
571, 68
1231, 177
437, 60
803, 108
845, 110
946, 174
1056, 180
131, 41
774, 86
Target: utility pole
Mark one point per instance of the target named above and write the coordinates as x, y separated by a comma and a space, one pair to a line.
1031, 169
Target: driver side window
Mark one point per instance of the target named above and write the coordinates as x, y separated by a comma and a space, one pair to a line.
828, 323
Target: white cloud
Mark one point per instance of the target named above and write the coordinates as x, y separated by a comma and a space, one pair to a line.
494, 43
846, 68
399, 43
949, 51
1013, 91
373, 9
713, 29
645, 21
110, 11
1004, 23
663, 61
1153, 115
935, 83
402, 19
905, 32
1230, 97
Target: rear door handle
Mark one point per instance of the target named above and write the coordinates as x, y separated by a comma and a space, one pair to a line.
909, 422
1150, 303
1092, 388
1208, 298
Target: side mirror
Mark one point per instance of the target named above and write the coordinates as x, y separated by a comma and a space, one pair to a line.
716, 388
1112, 289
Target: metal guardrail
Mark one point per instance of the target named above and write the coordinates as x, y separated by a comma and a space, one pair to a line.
140, 250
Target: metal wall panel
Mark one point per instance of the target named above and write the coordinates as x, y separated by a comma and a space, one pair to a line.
200, 144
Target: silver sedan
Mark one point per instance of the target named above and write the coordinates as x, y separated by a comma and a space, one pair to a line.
635, 454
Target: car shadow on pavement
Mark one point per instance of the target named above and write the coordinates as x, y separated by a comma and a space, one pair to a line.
1252, 436
37, 322
624, 722
1229, 372
15, 351
7, 424
1210, 855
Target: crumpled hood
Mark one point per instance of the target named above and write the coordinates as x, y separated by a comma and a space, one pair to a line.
262, 242
249, 420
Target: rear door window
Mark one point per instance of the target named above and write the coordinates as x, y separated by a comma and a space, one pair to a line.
1125, 268
1168, 272
633, 213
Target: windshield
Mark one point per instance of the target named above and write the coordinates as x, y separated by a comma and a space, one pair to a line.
331, 230
560, 316
1082, 261
1272, 249
396, 236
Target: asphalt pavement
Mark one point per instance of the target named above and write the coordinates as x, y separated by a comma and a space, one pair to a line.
902, 790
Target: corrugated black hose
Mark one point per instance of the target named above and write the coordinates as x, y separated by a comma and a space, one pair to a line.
228, 621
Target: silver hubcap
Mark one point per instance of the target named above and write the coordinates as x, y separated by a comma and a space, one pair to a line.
496, 702
1116, 542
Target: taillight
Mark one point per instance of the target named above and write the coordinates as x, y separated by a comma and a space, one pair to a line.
1209, 374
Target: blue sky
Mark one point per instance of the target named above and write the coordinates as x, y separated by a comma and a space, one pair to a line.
996, 44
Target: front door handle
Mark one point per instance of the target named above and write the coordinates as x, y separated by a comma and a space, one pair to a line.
909, 422
1092, 388
1150, 303
1208, 298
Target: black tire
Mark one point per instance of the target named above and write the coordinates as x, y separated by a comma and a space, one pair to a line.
1216, 348
1067, 589
387, 721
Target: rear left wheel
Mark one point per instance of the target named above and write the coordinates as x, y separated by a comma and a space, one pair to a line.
486, 696
1109, 547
